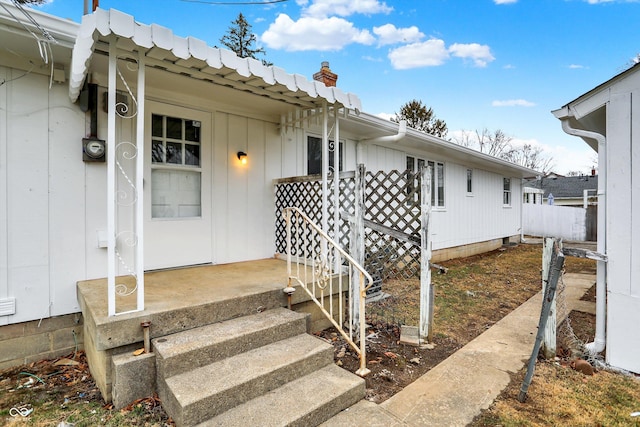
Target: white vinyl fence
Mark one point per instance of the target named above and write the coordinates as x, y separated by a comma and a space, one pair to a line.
565, 222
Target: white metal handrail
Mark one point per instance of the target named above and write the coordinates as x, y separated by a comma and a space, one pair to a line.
319, 265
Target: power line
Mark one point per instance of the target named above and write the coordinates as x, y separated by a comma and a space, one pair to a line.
235, 2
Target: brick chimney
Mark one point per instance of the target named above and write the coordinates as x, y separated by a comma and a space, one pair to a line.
325, 75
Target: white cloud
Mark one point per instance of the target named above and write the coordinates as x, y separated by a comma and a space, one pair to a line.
323, 34
513, 103
479, 54
389, 34
324, 8
505, 1
430, 53
576, 66
509, 67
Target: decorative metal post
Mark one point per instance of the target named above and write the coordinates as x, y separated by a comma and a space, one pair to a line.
111, 179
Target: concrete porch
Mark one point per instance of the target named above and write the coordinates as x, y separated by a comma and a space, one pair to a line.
182, 299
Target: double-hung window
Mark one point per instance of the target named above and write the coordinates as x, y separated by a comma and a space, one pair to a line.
314, 155
506, 191
437, 178
175, 167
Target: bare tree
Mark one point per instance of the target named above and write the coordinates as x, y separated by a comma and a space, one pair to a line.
530, 157
498, 144
495, 143
422, 118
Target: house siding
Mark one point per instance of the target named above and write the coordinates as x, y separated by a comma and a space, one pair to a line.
623, 233
465, 219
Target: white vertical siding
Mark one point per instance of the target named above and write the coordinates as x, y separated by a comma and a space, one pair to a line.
478, 217
66, 201
623, 194
618, 193
4, 199
243, 196
27, 198
635, 197
464, 219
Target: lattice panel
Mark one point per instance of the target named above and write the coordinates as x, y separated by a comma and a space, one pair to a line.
306, 194
391, 199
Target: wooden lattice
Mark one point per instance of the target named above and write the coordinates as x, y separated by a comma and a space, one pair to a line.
306, 193
391, 200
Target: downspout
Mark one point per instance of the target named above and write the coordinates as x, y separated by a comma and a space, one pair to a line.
599, 341
402, 132
522, 239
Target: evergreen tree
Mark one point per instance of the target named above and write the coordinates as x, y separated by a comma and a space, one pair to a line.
421, 118
241, 40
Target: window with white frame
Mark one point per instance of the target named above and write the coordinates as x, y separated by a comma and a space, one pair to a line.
469, 181
314, 155
437, 178
175, 167
506, 191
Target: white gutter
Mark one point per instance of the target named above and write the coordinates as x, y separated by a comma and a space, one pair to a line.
599, 341
402, 132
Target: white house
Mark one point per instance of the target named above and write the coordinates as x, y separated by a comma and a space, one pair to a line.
606, 118
174, 117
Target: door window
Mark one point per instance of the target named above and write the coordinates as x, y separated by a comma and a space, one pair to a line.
175, 167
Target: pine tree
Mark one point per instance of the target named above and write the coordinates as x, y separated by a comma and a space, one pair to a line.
241, 40
421, 118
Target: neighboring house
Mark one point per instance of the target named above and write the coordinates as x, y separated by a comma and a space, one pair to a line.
566, 190
606, 119
67, 211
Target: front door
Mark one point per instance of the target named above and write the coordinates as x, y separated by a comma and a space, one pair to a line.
177, 187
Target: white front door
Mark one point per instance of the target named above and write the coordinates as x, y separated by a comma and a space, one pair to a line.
177, 189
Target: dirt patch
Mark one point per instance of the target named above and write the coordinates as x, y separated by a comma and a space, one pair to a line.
475, 293
61, 392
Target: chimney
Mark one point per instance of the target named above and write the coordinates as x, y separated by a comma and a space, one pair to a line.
325, 75
593, 171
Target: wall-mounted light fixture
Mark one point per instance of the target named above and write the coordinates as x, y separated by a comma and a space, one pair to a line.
242, 156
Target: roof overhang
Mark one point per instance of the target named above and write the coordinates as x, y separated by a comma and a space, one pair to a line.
24, 43
193, 58
588, 112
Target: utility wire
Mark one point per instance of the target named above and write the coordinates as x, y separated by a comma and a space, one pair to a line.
235, 2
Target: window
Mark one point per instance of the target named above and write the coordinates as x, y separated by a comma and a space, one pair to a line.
437, 178
506, 191
314, 155
175, 170
469, 181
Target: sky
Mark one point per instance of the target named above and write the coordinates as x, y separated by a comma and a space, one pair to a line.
479, 64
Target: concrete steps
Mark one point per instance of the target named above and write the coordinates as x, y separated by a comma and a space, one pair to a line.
238, 366
306, 401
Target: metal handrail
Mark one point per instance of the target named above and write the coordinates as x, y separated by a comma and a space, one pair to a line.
309, 247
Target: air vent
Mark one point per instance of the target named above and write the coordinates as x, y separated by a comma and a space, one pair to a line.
7, 306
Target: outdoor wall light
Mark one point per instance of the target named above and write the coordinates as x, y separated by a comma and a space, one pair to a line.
242, 156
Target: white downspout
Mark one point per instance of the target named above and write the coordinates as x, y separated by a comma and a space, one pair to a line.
599, 341
402, 132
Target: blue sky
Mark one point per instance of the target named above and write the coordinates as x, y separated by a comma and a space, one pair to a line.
495, 64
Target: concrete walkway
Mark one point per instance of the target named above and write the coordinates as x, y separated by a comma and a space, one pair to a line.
460, 387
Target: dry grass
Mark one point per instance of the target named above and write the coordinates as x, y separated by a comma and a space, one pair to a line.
561, 396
